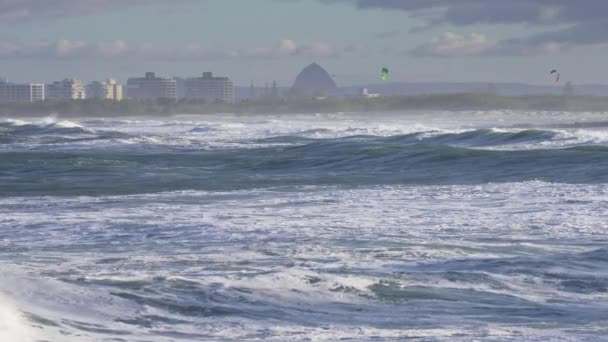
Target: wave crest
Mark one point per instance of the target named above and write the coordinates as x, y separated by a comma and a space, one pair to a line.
13, 326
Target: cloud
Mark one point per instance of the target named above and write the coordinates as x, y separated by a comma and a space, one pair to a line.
284, 49
80, 50
318, 49
387, 34
62, 49
569, 24
451, 44
467, 12
19, 10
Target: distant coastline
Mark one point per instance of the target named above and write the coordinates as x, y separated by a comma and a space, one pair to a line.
163, 107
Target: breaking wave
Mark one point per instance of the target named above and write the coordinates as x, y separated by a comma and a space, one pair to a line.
347, 162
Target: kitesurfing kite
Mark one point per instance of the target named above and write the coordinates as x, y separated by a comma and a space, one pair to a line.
384, 74
557, 75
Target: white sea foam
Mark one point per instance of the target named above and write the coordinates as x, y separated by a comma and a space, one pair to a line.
13, 324
14, 122
497, 261
291, 247
228, 131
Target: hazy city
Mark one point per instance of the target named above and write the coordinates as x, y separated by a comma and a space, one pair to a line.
314, 90
303, 170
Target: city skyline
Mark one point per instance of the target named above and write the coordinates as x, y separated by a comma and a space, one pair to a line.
487, 41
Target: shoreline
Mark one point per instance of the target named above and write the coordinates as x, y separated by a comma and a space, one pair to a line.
299, 106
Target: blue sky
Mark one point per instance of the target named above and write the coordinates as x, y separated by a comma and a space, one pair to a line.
266, 40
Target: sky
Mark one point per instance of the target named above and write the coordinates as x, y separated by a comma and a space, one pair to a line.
267, 40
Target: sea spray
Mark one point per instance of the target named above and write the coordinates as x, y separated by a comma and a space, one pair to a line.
13, 324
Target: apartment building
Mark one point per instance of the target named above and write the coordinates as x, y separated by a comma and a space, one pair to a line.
210, 89
107, 90
11, 92
151, 87
68, 89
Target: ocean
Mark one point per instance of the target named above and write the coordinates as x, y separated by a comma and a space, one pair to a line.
421, 226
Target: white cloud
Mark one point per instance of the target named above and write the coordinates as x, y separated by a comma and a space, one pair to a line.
67, 49
62, 49
19, 10
569, 24
451, 44
318, 49
111, 49
288, 46
550, 13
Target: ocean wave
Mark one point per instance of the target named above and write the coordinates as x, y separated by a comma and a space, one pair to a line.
44, 127
471, 138
348, 163
271, 264
19, 134
14, 325
442, 227
295, 297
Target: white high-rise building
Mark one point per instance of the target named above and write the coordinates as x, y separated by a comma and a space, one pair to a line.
108, 90
151, 87
32, 92
210, 89
68, 89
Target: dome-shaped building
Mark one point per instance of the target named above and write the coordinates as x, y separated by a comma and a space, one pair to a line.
314, 80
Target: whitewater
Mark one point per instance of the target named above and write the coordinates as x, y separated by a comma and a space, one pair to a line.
423, 226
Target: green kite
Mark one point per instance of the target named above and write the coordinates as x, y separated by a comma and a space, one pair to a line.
384, 74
